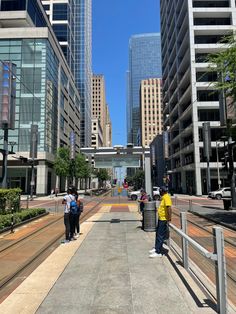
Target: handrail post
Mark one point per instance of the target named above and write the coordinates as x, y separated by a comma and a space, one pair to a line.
183, 221
220, 270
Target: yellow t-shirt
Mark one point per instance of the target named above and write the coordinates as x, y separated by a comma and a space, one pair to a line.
162, 210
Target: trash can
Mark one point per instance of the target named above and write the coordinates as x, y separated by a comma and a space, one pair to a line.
227, 203
149, 217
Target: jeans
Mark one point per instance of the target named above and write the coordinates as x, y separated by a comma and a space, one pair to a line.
161, 232
67, 225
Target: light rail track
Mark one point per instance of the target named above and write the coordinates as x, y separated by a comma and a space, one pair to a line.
24, 243
200, 231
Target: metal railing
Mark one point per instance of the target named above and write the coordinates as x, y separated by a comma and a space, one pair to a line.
217, 256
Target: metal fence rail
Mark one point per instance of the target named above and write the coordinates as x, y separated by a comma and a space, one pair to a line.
217, 256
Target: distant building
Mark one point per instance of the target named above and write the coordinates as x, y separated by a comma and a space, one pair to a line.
151, 110
46, 93
190, 30
100, 108
72, 24
97, 138
144, 63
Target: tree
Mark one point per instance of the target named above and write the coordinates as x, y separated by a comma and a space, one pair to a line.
102, 175
224, 64
138, 179
82, 168
61, 164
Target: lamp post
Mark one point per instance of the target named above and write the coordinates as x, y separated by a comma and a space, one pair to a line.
217, 161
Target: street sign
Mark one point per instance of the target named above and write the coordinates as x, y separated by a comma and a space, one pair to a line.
72, 145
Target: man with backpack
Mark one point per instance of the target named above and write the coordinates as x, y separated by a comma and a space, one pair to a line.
70, 205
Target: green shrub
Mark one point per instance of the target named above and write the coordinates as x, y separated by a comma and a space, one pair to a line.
5, 220
9, 198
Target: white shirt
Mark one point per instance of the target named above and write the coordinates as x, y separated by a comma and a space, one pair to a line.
68, 198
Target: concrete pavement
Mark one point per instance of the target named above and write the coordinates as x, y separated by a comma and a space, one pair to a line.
107, 270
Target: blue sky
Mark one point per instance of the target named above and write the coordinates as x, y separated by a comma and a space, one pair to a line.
114, 22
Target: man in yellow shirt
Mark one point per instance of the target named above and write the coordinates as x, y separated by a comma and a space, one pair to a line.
164, 216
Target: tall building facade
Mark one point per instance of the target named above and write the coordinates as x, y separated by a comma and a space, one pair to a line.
100, 108
190, 29
97, 138
46, 94
144, 62
72, 24
151, 110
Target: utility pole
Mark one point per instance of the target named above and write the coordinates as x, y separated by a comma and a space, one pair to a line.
232, 171
33, 155
217, 161
207, 150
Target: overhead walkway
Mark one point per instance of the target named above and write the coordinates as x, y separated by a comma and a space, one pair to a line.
108, 270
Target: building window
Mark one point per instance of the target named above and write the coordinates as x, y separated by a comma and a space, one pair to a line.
60, 11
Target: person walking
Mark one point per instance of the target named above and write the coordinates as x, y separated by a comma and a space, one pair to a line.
164, 217
143, 199
77, 216
67, 215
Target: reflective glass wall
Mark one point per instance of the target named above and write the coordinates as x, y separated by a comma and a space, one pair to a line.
36, 91
144, 63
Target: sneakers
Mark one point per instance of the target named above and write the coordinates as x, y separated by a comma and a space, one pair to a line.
152, 251
165, 246
65, 241
76, 236
153, 255
73, 239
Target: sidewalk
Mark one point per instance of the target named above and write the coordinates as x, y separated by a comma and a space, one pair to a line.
107, 270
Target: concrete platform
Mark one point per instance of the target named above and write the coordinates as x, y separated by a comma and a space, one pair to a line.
108, 270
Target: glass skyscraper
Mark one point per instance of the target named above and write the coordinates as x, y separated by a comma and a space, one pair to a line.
144, 63
72, 24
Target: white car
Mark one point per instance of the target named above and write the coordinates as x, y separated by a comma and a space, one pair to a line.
156, 193
220, 193
134, 195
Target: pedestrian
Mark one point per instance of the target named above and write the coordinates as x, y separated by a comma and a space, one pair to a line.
80, 210
164, 217
143, 199
68, 198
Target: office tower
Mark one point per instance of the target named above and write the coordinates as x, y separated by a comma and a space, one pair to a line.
46, 93
99, 106
151, 110
97, 137
144, 62
189, 31
72, 23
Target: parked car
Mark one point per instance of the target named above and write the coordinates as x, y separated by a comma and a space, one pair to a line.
220, 193
134, 195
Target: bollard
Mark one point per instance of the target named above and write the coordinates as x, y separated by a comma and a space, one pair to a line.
190, 205
220, 267
183, 221
175, 200
12, 220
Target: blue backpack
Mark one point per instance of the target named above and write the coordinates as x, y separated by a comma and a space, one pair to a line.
73, 206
